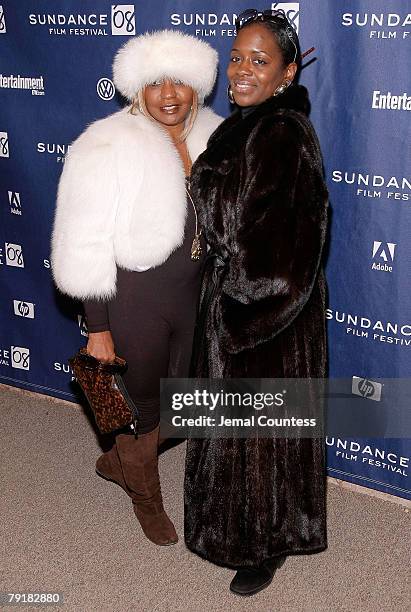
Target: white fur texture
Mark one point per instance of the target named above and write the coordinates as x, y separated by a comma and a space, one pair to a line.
121, 201
167, 53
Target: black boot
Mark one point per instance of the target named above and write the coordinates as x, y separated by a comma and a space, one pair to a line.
251, 580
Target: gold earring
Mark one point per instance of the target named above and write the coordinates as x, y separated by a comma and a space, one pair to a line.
230, 95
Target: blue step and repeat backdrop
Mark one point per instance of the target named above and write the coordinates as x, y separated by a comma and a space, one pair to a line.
55, 71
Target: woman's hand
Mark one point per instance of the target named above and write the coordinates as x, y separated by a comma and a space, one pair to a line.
101, 346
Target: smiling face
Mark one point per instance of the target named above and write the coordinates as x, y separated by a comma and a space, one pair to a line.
169, 102
256, 66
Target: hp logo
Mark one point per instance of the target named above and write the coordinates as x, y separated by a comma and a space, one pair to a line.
369, 389
106, 89
23, 309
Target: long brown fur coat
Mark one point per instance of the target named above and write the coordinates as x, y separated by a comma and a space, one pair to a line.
262, 204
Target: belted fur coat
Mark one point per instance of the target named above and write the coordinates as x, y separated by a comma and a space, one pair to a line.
262, 202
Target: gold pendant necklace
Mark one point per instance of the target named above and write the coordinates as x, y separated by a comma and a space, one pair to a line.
196, 250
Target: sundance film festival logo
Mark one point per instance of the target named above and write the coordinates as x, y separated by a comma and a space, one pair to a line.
223, 24
382, 458
385, 26
4, 144
366, 388
383, 254
121, 22
368, 328
23, 309
14, 202
59, 151
106, 89
20, 358
292, 11
2, 21
375, 186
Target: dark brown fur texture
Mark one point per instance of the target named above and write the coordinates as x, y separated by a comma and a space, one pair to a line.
262, 204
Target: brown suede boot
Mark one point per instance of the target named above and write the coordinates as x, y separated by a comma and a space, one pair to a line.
108, 466
139, 464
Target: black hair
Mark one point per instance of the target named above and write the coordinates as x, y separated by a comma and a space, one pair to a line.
285, 36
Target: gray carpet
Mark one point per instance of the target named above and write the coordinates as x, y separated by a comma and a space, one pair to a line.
63, 529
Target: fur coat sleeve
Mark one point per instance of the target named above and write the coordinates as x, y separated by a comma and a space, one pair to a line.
84, 223
280, 234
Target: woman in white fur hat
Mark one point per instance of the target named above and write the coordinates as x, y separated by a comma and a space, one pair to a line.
126, 240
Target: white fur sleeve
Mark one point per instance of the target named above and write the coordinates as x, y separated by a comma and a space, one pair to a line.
82, 252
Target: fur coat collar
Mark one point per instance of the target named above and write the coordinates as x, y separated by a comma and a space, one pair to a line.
230, 135
121, 201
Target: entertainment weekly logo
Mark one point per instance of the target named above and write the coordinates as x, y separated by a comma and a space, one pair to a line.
120, 22
209, 25
35, 84
383, 26
389, 101
371, 330
375, 186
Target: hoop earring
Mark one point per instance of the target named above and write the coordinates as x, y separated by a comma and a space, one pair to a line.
281, 88
230, 95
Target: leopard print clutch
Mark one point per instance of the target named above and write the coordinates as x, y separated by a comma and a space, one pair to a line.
105, 391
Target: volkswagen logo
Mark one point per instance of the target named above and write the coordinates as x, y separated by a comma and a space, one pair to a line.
106, 89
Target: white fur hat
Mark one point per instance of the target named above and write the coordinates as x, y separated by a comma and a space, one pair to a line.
167, 53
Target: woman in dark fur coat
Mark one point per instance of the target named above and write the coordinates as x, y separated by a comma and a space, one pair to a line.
263, 205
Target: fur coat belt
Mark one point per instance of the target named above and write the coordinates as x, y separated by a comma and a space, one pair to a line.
121, 201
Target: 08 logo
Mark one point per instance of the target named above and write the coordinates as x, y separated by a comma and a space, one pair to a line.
20, 358
292, 11
2, 21
123, 20
4, 144
14, 255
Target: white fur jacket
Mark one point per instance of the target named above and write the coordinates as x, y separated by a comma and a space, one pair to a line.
121, 200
